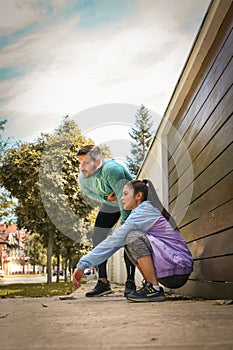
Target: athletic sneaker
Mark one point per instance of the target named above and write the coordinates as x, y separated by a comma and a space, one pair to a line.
100, 289
147, 293
129, 287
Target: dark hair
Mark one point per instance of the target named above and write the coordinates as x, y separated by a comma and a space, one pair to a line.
148, 191
139, 186
93, 151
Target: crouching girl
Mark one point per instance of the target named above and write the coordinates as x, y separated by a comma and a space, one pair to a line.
152, 241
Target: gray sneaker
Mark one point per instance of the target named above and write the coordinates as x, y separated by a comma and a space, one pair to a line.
100, 289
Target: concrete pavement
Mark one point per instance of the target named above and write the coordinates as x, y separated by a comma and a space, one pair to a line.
112, 323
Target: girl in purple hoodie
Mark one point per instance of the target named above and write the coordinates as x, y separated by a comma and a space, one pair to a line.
152, 242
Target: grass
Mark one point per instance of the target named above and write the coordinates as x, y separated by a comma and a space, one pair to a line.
36, 290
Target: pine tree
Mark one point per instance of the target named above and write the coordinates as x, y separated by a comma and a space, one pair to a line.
142, 135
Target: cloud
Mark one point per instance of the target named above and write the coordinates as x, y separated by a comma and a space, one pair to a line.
66, 66
37, 48
178, 15
16, 15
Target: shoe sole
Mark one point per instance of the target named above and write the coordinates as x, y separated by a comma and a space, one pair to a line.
162, 298
100, 295
132, 291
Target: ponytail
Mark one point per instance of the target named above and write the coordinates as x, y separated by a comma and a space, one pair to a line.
154, 199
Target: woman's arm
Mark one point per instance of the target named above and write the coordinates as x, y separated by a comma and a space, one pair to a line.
140, 219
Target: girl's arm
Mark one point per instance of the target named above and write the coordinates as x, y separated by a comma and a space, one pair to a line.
140, 219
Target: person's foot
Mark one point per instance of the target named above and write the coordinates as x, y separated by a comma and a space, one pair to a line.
129, 287
147, 293
100, 289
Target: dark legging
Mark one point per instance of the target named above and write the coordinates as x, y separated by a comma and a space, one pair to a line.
105, 220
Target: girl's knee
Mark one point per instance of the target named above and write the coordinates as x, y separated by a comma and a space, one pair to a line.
132, 236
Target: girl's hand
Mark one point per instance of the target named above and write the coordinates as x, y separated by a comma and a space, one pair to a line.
77, 277
112, 197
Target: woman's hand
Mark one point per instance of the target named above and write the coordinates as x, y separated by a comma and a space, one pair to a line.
77, 277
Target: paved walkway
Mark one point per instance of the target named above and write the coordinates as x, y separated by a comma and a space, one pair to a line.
113, 323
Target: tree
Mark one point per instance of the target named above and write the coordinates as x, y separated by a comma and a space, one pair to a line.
7, 203
3, 143
42, 175
142, 136
36, 251
7, 207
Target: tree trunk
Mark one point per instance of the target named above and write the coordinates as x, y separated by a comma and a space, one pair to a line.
65, 270
49, 258
69, 258
58, 266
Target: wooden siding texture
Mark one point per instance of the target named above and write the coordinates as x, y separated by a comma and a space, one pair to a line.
204, 125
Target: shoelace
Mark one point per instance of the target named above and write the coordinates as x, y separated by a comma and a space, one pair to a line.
144, 282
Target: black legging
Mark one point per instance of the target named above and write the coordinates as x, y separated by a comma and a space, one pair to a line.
105, 220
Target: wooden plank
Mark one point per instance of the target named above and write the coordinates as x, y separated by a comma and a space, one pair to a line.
212, 198
217, 58
206, 290
214, 269
207, 125
204, 86
208, 120
214, 123
216, 196
195, 174
205, 175
213, 245
214, 221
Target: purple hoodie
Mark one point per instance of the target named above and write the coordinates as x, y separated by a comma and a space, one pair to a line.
170, 254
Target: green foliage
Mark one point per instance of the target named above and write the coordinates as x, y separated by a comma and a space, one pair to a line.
36, 289
7, 207
3, 143
7, 203
105, 150
35, 250
58, 175
142, 136
43, 176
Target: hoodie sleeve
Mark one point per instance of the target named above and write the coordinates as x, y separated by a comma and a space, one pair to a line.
116, 178
140, 219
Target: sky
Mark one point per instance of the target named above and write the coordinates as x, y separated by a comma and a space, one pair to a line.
97, 61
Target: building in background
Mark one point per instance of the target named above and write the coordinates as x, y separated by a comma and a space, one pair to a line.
13, 254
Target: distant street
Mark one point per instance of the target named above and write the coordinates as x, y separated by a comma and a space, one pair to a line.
23, 279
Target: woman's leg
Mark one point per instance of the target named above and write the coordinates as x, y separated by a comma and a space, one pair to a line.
146, 267
139, 250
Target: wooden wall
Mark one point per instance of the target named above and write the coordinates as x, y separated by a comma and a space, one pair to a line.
200, 176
